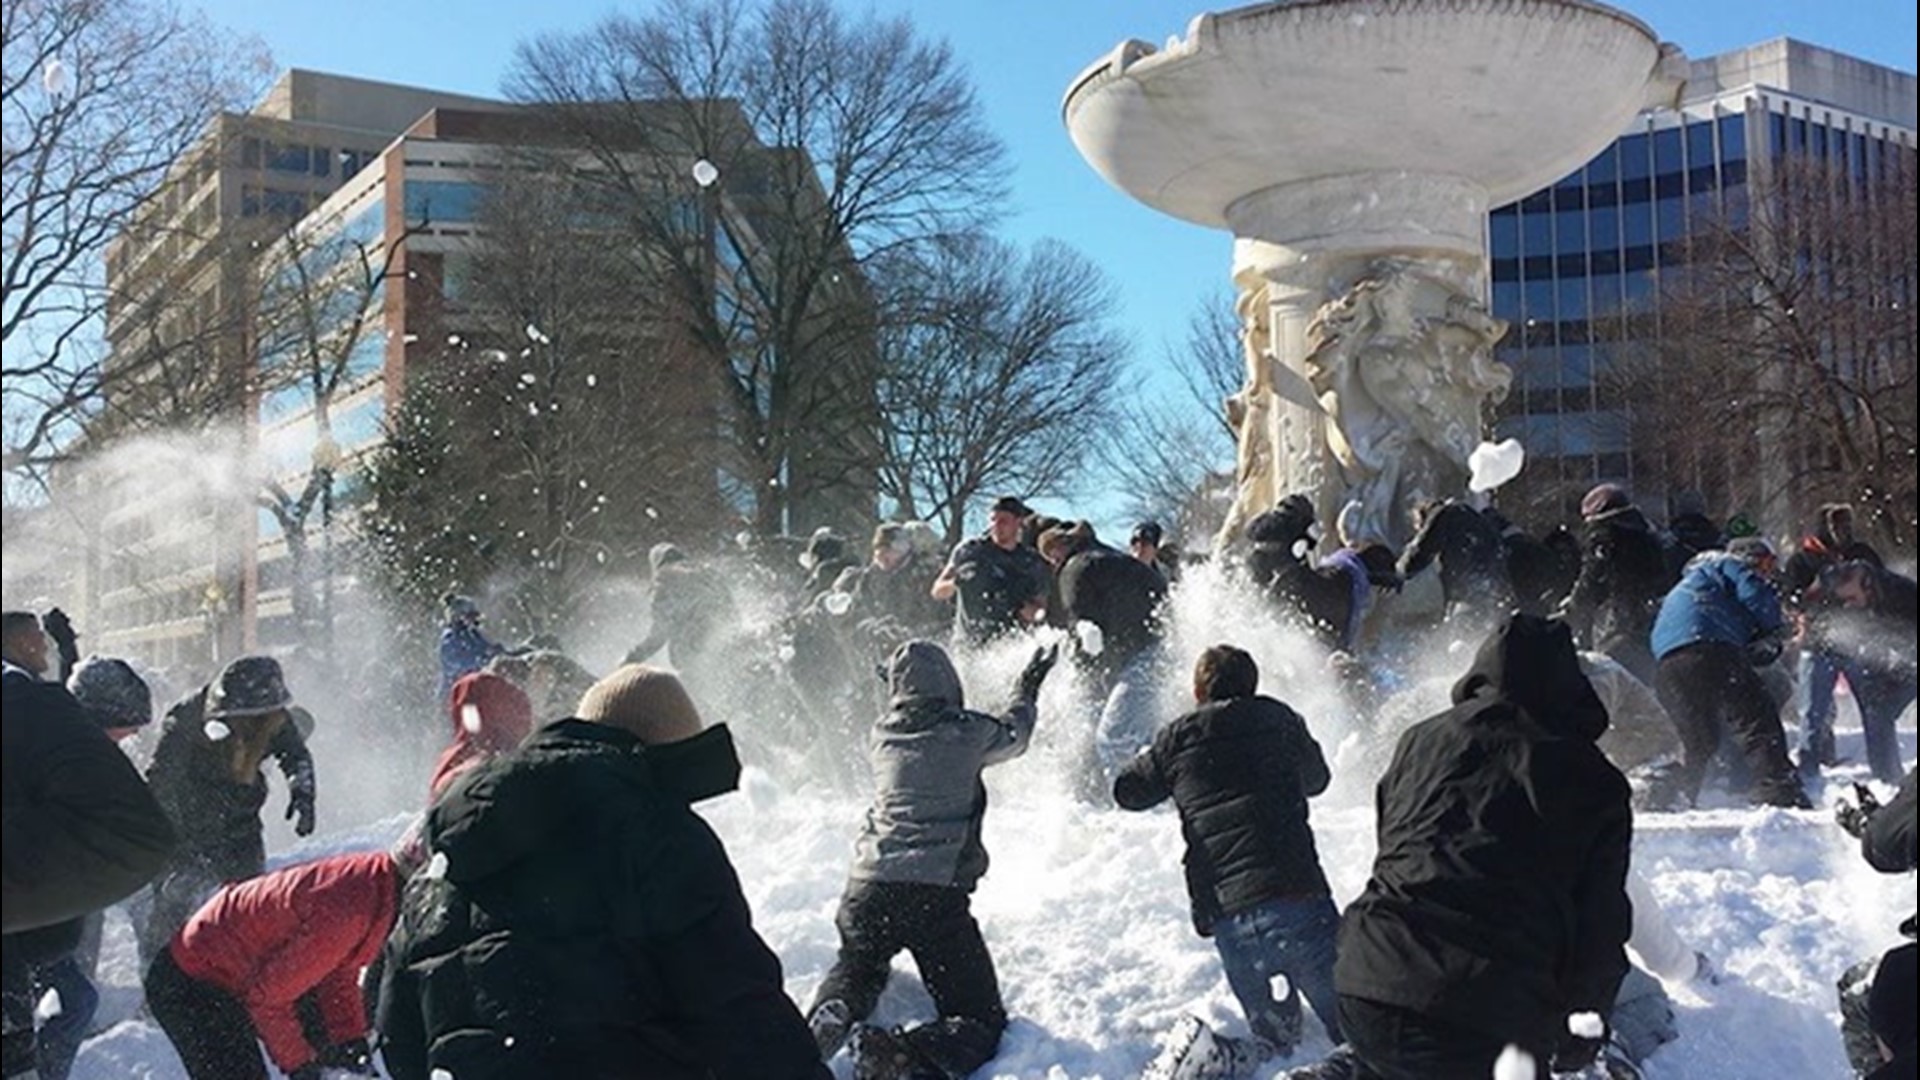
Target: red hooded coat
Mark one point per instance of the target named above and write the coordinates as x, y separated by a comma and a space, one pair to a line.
307, 928
490, 716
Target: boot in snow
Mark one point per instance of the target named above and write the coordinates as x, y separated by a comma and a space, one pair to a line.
1196, 1052
1342, 1064
881, 1054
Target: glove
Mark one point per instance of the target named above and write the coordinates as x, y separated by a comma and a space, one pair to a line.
300, 810
353, 1056
1580, 1047
1035, 673
312, 1070
1764, 651
1853, 816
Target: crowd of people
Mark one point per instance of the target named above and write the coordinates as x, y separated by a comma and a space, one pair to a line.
560, 909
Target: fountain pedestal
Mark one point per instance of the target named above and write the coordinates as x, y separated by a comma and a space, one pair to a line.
1354, 147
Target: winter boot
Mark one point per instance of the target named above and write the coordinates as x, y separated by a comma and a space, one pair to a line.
1342, 1064
830, 1023
1196, 1052
882, 1054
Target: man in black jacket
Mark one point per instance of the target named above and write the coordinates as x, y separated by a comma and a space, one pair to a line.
577, 919
1861, 618
1472, 557
1624, 574
1497, 907
206, 775
80, 832
1240, 769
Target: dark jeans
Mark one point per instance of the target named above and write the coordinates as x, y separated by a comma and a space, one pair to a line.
1292, 938
1712, 692
878, 919
209, 1027
1883, 696
1393, 1043
1819, 670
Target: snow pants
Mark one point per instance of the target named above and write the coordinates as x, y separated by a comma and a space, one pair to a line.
209, 1028
878, 919
1711, 692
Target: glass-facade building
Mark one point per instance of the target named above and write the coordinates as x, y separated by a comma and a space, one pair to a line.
1575, 268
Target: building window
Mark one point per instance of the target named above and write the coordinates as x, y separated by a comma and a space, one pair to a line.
289, 157
322, 161
250, 152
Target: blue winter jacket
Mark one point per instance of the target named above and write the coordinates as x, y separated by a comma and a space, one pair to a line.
1720, 598
463, 650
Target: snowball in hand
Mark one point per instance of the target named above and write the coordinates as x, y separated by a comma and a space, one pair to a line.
1493, 464
1586, 1025
217, 730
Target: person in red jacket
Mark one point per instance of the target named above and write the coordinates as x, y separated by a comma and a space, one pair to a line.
490, 716
276, 960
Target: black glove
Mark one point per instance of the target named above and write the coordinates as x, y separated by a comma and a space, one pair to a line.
1035, 673
312, 1070
1575, 1054
59, 629
353, 1056
300, 809
1854, 816
1764, 651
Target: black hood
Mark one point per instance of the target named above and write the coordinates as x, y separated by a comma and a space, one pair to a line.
537, 796
1531, 662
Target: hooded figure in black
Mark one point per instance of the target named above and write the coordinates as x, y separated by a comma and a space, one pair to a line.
1624, 574
1498, 903
1326, 597
577, 919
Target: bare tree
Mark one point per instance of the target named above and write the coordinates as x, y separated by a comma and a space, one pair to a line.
999, 373
560, 431
759, 157
1171, 456
101, 100
1784, 373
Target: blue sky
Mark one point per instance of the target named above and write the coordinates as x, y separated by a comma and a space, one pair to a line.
1022, 56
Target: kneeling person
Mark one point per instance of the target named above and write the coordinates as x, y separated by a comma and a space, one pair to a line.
1240, 769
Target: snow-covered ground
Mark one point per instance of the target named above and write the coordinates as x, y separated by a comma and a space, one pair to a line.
1086, 914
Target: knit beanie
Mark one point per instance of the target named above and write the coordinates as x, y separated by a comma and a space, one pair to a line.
646, 701
1604, 498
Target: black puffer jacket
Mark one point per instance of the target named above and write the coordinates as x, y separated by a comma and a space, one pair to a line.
1498, 900
1473, 560
81, 829
1240, 772
577, 919
1624, 574
216, 814
1119, 594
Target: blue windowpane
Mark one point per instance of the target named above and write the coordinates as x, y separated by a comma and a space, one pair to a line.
1733, 137
1604, 169
1536, 234
1797, 135
1637, 224
1570, 231
1819, 132
359, 424
1605, 223
1538, 298
1634, 162
1606, 293
1672, 219
441, 201
277, 405
1699, 144
1506, 299
1503, 233
1666, 151
1571, 298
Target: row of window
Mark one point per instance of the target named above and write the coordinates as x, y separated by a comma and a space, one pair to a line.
302, 158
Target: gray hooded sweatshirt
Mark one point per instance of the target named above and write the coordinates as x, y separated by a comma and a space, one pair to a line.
928, 751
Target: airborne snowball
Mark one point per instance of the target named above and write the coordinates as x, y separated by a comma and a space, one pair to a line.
56, 78
705, 172
470, 718
216, 730
436, 867
1514, 1064
1494, 464
49, 1007
1587, 1025
1093, 641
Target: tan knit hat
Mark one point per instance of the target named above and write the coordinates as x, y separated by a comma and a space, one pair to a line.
646, 701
